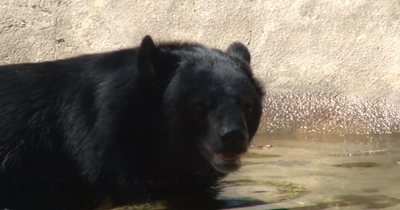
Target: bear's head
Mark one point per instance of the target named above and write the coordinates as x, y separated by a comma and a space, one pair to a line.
211, 101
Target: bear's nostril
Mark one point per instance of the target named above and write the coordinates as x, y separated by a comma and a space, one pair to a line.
233, 135
234, 141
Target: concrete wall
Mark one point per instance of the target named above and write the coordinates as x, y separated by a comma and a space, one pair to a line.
305, 51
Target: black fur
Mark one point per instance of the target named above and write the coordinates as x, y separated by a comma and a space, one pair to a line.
131, 125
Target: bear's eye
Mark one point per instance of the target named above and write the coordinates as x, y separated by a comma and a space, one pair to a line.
201, 107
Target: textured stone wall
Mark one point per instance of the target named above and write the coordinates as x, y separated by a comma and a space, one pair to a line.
314, 56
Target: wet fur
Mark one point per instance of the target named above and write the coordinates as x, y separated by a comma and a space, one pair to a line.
78, 130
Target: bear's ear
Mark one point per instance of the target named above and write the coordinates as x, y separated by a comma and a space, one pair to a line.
239, 50
146, 57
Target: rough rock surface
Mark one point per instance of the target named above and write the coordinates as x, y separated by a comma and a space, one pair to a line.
331, 55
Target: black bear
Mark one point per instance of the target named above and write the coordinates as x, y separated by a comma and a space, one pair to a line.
152, 122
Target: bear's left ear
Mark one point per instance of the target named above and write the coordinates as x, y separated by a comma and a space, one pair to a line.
146, 57
239, 50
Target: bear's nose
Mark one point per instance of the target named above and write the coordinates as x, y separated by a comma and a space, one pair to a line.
233, 134
234, 140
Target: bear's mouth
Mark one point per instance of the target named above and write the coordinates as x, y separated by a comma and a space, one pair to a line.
226, 163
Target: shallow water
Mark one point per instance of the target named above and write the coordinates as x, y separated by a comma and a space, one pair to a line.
316, 172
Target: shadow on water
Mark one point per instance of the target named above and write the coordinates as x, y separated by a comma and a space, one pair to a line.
184, 205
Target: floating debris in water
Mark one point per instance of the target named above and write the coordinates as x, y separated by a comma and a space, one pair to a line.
253, 146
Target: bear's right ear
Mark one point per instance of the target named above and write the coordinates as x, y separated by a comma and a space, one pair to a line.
238, 49
146, 57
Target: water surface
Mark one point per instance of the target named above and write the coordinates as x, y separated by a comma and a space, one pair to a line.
310, 171
315, 172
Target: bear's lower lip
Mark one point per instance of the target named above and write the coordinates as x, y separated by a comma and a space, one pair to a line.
226, 163
228, 157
